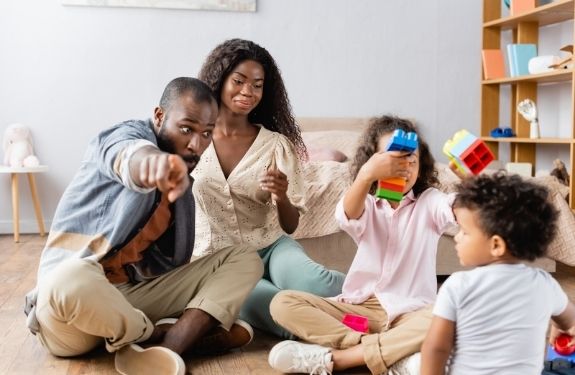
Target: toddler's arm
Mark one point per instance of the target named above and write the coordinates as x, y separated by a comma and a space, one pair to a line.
437, 346
563, 323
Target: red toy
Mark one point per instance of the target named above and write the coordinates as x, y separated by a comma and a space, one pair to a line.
562, 345
468, 152
356, 322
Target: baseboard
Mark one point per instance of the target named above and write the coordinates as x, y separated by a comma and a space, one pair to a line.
26, 226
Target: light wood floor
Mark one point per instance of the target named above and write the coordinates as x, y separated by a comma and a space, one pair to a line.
20, 352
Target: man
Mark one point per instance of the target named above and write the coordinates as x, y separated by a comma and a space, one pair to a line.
117, 257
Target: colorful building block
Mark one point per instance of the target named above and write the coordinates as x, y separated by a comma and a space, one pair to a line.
469, 153
561, 355
562, 345
392, 188
356, 322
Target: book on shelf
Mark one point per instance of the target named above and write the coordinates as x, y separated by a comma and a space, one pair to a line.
521, 6
518, 56
493, 66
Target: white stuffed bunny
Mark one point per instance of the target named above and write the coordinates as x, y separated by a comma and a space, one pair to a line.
17, 145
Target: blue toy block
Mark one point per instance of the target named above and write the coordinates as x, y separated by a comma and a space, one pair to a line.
400, 141
552, 355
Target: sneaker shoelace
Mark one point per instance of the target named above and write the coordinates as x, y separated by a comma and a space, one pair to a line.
312, 361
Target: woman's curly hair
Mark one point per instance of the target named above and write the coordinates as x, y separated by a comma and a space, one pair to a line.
274, 110
380, 126
518, 211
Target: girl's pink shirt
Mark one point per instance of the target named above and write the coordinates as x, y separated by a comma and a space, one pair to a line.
396, 255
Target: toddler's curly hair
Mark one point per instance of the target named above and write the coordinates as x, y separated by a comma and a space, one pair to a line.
518, 211
379, 126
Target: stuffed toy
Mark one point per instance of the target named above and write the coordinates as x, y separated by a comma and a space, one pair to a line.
17, 146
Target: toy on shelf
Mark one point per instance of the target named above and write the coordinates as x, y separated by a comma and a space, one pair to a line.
567, 62
528, 110
17, 145
502, 132
356, 322
543, 64
469, 153
392, 188
559, 171
561, 355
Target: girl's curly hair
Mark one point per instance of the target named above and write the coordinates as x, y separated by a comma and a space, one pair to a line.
518, 211
379, 126
274, 110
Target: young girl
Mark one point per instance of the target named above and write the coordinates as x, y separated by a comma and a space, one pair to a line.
392, 279
248, 184
498, 313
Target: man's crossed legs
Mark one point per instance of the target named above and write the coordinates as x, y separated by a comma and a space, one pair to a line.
78, 309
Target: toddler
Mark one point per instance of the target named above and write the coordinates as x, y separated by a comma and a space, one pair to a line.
493, 319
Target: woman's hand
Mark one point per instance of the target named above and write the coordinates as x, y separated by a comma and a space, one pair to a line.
275, 181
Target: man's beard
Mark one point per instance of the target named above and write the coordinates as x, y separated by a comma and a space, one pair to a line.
167, 145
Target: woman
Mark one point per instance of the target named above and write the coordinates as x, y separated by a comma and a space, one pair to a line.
248, 185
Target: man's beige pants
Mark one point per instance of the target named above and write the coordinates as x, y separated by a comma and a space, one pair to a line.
319, 320
78, 307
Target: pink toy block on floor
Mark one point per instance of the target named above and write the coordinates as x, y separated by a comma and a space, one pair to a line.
356, 322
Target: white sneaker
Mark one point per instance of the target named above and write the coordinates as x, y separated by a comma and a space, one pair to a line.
406, 366
295, 357
134, 360
163, 321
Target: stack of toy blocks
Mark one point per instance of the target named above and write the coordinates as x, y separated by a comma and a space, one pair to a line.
560, 356
469, 153
392, 188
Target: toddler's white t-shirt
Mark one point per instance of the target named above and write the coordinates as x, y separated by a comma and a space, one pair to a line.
501, 314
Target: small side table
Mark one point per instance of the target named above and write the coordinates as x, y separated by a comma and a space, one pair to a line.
14, 172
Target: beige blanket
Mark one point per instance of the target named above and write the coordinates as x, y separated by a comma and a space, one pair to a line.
327, 181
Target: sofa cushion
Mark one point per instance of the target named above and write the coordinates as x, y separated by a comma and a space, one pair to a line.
325, 154
562, 248
344, 141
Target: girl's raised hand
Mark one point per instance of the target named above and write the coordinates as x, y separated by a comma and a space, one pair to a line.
383, 165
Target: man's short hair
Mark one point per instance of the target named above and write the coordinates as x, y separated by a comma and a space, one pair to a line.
184, 85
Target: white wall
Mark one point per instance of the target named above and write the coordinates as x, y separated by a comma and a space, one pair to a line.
68, 72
